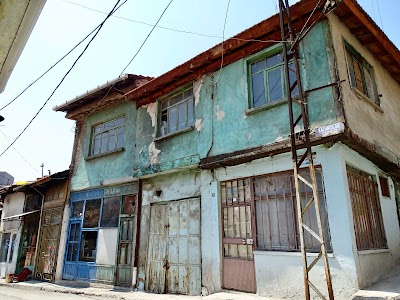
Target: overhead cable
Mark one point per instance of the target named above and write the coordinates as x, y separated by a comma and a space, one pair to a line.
134, 56
56, 63
115, 8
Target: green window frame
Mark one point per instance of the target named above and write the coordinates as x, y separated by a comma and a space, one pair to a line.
176, 112
361, 74
266, 76
107, 136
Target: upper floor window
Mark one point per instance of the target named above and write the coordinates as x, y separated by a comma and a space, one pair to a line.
361, 74
108, 136
177, 112
268, 80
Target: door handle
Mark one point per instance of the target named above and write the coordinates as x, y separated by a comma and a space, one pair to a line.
247, 241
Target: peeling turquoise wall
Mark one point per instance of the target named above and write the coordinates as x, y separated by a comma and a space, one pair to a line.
222, 110
222, 124
89, 173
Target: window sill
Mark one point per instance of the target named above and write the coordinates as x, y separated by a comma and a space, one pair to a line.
373, 251
282, 253
253, 110
160, 138
366, 99
105, 153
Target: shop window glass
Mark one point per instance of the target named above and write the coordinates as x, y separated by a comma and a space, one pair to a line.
129, 203
88, 246
92, 213
5, 244
110, 212
77, 209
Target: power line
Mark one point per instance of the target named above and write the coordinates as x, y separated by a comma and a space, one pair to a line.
174, 29
18, 152
379, 12
62, 58
115, 8
134, 56
222, 45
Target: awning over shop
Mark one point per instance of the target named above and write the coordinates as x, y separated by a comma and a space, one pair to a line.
19, 215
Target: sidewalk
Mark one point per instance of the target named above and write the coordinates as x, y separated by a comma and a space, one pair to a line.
387, 289
105, 291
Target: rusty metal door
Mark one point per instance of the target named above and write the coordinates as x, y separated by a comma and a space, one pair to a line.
174, 257
238, 223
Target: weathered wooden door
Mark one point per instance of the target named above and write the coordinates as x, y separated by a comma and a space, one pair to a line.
237, 207
174, 259
48, 245
125, 252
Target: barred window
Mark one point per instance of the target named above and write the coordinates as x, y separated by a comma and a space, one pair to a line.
367, 214
276, 213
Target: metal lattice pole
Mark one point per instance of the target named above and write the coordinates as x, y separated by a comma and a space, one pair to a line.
300, 141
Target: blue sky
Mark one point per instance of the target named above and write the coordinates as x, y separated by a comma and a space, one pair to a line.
63, 24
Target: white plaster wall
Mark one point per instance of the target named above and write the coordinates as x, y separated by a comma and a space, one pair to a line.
63, 242
210, 234
363, 118
106, 246
375, 264
280, 274
173, 186
13, 205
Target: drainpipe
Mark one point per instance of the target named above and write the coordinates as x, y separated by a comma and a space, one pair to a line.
138, 221
39, 230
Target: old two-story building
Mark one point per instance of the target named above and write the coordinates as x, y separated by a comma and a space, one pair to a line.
30, 228
203, 153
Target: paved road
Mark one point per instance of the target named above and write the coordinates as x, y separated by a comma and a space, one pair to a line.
17, 294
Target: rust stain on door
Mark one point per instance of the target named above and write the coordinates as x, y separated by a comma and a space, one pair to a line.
174, 264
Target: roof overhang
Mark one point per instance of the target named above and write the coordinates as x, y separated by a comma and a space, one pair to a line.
17, 19
115, 88
255, 38
370, 35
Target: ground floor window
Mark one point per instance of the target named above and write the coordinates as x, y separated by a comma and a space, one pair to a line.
367, 214
272, 198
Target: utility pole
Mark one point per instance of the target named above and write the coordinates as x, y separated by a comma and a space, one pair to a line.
42, 165
300, 141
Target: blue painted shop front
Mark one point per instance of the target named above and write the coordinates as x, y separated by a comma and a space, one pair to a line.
93, 240
83, 230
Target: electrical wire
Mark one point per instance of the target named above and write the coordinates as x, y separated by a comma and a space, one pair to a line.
134, 56
19, 152
379, 13
56, 63
176, 30
222, 44
115, 8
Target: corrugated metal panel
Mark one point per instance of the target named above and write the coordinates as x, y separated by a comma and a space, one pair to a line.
174, 263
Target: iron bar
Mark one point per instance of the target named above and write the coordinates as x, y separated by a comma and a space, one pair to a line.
298, 141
